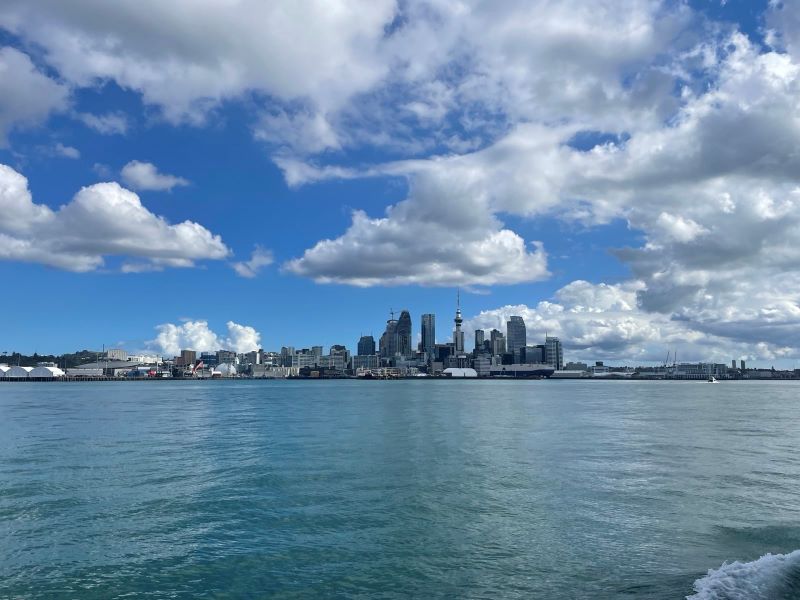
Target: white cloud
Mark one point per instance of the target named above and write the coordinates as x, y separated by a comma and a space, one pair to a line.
189, 55
603, 322
66, 151
102, 170
345, 73
28, 96
145, 176
101, 220
242, 338
196, 335
112, 123
442, 235
259, 259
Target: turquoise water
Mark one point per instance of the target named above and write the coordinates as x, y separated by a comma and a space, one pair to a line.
427, 489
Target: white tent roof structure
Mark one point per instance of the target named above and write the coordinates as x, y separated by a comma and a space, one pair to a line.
46, 372
17, 372
457, 372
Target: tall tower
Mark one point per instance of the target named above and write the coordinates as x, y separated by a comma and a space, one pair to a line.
458, 335
403, 332
479, 337
516, 335
388, 341
429, 334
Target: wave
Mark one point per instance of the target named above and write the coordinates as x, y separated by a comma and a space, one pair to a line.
771, 577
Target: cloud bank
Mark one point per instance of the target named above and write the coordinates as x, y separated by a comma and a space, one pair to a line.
196, 335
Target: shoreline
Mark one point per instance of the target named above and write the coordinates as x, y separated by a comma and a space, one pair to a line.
230, 379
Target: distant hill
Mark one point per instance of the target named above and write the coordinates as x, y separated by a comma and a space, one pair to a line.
63, 360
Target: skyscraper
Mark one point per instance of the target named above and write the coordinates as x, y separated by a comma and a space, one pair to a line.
498, 342
516, 335
458, 335
479, 337
366, 345
388, 341
553, 353
403, 333
429, 334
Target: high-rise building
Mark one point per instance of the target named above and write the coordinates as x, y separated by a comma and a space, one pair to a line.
388, 341
458, 335
532, 354
429, 334
366, 345
498, 342
403, 333
288, 356
316, 350
479, 339
516, 335
553, 353
188, 357
733, 364
116, 354
743, 367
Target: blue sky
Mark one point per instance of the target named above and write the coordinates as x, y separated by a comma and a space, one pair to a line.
571, 163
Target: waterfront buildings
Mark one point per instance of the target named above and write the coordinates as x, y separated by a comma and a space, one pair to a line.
500, 355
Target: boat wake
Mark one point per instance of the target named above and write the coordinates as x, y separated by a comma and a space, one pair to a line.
771, 577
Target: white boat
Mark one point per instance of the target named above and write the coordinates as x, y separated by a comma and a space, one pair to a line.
712, 379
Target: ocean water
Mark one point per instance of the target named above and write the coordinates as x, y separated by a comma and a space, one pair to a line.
398, 489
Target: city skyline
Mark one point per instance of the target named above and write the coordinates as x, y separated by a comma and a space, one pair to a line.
624, 179
397, 342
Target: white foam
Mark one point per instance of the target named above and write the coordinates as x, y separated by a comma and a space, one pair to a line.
771, 577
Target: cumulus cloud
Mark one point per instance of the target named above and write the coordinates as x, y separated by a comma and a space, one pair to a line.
196, 335
427, 239
101, 220
28, 96
259, 259
145, 176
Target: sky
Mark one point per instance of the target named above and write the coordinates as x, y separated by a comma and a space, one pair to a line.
624, 174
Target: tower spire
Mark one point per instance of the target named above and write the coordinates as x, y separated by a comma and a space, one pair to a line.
458, 335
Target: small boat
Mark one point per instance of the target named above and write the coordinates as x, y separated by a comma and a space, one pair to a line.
712, 379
